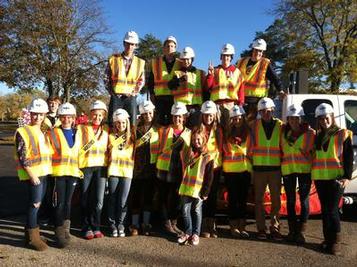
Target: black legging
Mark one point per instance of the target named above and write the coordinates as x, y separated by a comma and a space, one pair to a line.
210, 205
169, 200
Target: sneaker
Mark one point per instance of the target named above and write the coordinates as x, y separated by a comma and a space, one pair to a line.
244, 234
262, 235
183, 239
121, 231
133, 230
114, 231
98, 234
275, 235
195, 240
88, 234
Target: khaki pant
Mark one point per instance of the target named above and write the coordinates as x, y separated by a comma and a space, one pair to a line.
261, 180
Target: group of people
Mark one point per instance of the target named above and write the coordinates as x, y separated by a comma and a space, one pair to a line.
197, 129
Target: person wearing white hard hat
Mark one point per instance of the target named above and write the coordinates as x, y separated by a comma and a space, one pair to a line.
187, 85
214, 135
125, 78
143, 184
224, 83
265, 154
66, 144
257, 71
120, 171
297, 144
162, 70
332, 167
172, 139
93, 162
237, 170
33, 158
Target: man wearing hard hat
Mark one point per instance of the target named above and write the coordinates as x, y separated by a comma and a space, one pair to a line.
224, 83
125, 78
162, 71
187, 84
257, 71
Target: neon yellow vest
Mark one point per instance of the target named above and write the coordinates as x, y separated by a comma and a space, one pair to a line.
235, 158
214, 146
121, 161
162, 76
191, 92
153, 136
49, 125
227, 87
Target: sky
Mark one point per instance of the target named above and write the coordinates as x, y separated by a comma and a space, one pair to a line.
203, 25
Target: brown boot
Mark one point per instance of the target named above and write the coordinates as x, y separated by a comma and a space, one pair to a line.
233, 224
291, 237
300, 234
177, 230
336, 245
168, 227
241, 227
67, 228
212, 227
62, 242
34, 240
205, 232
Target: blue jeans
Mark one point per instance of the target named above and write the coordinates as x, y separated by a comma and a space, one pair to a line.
64, 189
92, 195
119, 188
192, 214
125, 102
36, 194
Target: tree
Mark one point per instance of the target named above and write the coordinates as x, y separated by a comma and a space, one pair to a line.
323, 35
53, 45
149, 47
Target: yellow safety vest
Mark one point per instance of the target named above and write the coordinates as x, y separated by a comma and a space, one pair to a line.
49, 125
235, 157
215, 145
38, 152
65, 159
123, 83
193, 175
328, 165
264, 151
190, 92
296, 157
93, 151
254, 83
162, 76
226, 87
166, 146
153, 137
121, 157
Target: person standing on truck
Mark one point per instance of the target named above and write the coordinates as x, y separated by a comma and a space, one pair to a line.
162, 71
331, 171
125, 78
257, 71
224, 83
297, 143
33, 157
187, 86
66, 144
265, 154
237, 171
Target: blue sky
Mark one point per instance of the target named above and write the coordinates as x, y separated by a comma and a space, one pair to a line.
203, 25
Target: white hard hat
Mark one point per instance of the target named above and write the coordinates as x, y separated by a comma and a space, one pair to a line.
98, 105
265, 103
236, 111
209, 107
172, 39
187, 52
178, 108
66, 109
295, 111
131, 37
323, 109
120, 114
38, 105
259, 44
228, 49
146, 107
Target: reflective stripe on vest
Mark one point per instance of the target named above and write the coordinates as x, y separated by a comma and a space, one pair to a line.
266, 152
166, 145
38, 153
328, 165
190, 93
121, 163
48, 124
254, 83
162, 76
94, 151
65, 159
193, 176
153, 136
296, 157
123, 83
235, 158
215, 146
226, 87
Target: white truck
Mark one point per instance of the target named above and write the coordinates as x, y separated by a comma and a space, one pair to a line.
345, 107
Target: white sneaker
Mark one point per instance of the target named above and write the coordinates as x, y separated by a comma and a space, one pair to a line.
121, 231
183, 239
195, 240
